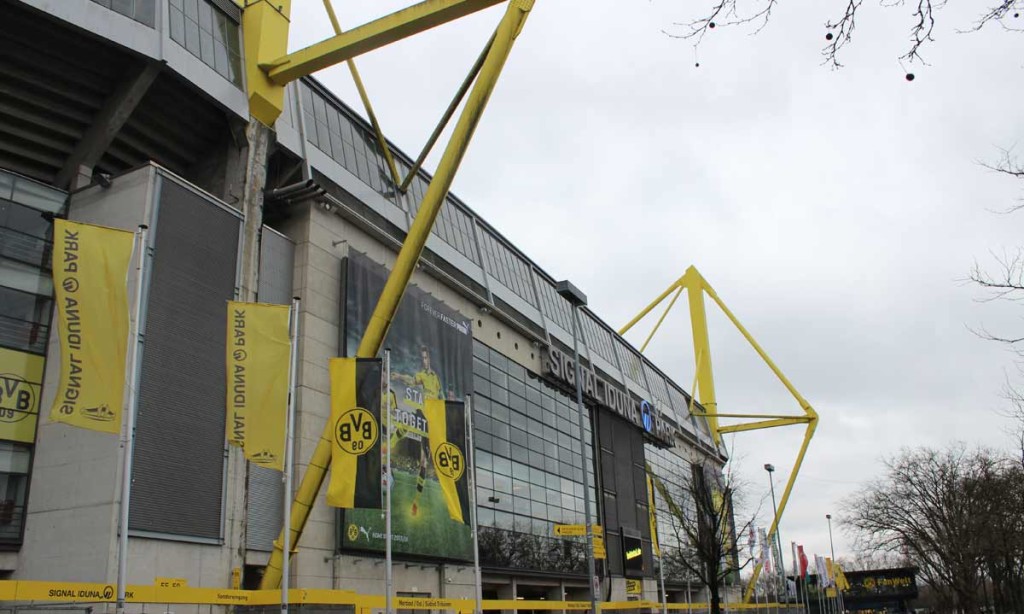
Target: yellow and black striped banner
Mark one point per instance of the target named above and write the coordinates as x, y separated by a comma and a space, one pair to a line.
90, 281
446, 424
356, 433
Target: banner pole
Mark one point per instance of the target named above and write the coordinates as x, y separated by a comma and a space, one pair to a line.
477, 582
132, 375
388, 578
661, 573
289, 453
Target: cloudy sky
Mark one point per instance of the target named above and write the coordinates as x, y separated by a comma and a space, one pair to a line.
836, 212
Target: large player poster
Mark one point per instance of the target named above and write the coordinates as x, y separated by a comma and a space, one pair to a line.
431, 358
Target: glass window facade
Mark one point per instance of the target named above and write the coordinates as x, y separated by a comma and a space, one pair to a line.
556, 308
341, 137
208, 34
14, 464
507, 267
26, 251
672, 470
631, 363
142, 11
598, 338
529, 465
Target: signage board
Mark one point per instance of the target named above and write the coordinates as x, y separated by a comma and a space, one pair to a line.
561, 368
431, 358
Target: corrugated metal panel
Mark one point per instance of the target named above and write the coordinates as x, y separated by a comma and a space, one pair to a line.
277, 259
179, 450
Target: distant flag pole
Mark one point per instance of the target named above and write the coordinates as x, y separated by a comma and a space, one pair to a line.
388, 574
132, 376
289, 453
471, 453
796, 571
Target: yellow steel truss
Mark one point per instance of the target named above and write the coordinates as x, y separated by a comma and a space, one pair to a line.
269, 67
697, 287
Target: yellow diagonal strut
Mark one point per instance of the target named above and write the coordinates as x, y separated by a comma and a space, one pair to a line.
697, 287
347, 45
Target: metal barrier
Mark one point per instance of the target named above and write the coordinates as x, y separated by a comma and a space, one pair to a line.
40, 597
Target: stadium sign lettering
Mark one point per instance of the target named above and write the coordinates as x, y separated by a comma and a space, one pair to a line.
596, 389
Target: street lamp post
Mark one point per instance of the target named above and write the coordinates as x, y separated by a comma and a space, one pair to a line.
832, 548
770, 468
577, 299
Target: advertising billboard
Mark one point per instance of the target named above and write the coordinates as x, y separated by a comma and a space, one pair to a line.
431, 359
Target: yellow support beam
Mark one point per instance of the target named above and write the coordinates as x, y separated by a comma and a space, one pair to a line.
703, 382
265, 25
358, 80
694, 284
654, 330
373, 35
812, 425
394, 288
764, 424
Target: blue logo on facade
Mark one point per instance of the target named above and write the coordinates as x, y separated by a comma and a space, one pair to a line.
648, 417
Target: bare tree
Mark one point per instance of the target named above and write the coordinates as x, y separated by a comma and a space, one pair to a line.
937, 507
703, 510
920, 14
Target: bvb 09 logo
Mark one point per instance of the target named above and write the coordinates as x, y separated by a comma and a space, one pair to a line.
449, 461
356, 431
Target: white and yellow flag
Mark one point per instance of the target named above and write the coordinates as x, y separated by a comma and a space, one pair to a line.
90, 280
258, 359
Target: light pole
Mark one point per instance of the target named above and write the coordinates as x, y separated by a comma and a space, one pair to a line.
577, 299
832, 547
770, 468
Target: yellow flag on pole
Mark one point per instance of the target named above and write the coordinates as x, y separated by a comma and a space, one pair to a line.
90, 273
652, 518
447, 435
258, 359
355, 442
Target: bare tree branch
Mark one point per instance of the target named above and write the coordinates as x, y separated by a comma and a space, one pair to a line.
757, 13
840, 33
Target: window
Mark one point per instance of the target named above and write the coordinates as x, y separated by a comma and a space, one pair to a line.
507, 267
14, 463
142, 11
534, 469
208, 34
26, 245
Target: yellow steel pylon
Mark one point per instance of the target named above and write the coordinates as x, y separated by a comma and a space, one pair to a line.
704, 385
269, 68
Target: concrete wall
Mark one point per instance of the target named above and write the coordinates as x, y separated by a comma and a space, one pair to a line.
71, 524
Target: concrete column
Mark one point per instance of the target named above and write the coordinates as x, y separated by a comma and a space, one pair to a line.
251, 178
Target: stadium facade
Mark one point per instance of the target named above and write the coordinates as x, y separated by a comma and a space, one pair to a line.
128, 112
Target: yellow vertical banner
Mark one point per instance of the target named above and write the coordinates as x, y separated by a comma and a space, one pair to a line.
355, 442
258, 359
90, 273
449, 459
21, 374
652, 518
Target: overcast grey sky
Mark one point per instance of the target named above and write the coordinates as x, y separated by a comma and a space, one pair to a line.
836, 212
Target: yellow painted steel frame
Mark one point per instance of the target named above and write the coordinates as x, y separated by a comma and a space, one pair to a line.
269, 66
269, 20
697, 287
